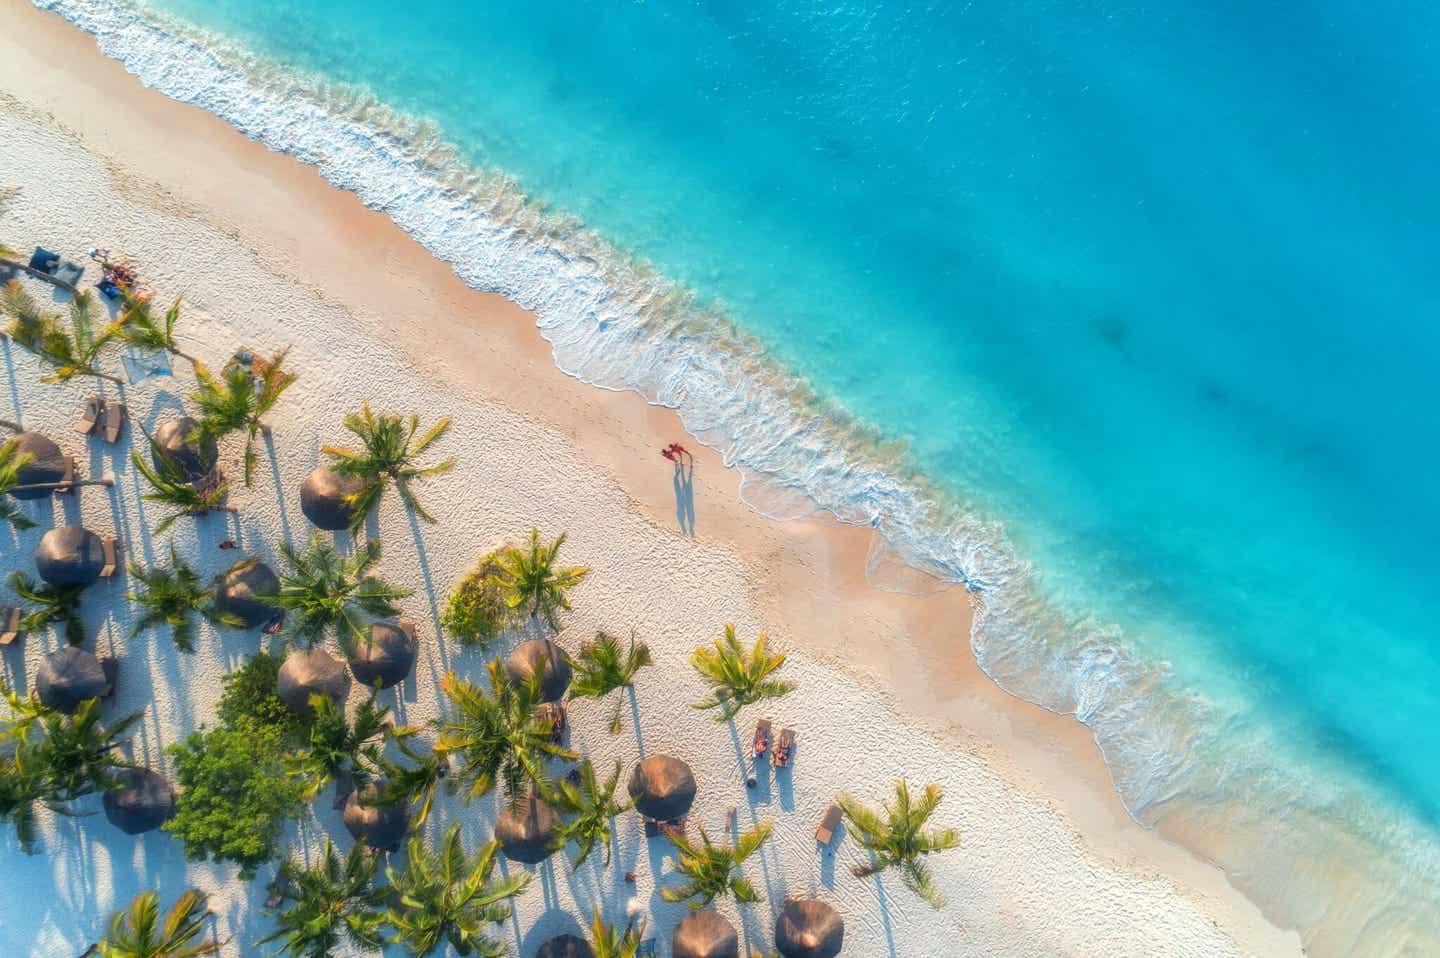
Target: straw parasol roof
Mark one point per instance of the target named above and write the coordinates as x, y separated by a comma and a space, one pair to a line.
809, 928
544, 657
47, 464
704, 934
195, 459
240, 592
565, 946
305, 673
70, 555
525, 836
662, 787
322, 498
69, 676
381, 827
142, 801
387, 658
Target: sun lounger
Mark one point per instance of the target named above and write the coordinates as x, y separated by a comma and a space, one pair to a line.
654, 827
9, 624
108, 289
114, 421
554, 713
277, 889
111, 546
828, 824
111, 667
68, 273
90, 414
762, 737
784, 748
69, 476
44, 260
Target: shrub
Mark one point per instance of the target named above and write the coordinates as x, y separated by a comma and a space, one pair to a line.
477, 612
235, 794
250, 695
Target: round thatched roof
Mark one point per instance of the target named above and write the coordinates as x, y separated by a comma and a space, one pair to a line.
305, 673
387, 658
565, 946
663, 787
69, 676
704, 934
322, 498
143, 801
240, 591
544, 657
195, 459
808, 928
525, 836
47, 464
70, 555
381, 827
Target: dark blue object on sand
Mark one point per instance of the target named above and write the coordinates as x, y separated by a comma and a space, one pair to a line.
44, 260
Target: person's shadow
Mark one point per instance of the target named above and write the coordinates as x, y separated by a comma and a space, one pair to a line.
685, 497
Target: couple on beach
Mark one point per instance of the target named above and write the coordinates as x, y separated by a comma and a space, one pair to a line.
678, 454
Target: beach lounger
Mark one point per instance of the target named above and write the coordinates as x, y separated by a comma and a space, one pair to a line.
111, 547
90, 414
762, 738
828, 823
69, 477
114, 421
784, 748
9, 624
68, 273
111, 667
44, 260
277, 889
553, 712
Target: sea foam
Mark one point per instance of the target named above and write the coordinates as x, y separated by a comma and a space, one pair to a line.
1320, 853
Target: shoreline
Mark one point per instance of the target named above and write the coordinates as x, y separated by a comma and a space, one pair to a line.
812, 596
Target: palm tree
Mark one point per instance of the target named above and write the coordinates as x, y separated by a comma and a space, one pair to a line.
387, 456
138, 326
138, 931
335, 902
602, 667
738, 679
326, 591
607, 941
444, 896
530, 577
173, 597
713, 870
238, 401
58, 604
171, 486
593, 804
337, 746
73, 351
409, 784
896, 837
12, 460
498, 736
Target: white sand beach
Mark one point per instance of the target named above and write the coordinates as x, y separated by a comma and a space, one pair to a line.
267, 255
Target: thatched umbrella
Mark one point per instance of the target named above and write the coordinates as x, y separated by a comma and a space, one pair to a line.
545, 658
662, 787
142, 800
809, 928
69, 676
387, 658
241, 592
381, 827
305, 673
47, 465
704, 934
196, 458
70, 555
322, 498
565, 946
525, 836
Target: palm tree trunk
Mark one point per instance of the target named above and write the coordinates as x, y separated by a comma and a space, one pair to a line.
37, 486
187, 357
12, 426
114, 379
52, 280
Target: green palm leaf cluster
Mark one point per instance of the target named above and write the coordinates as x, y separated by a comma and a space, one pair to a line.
237, 401
608, 941
340, 749
738, 678
713, 870
593, 805
58, 604
138, 326
12, 460
329, 904
603, 667
406, 784
139, 932
532, 580
71, 349
173, 597
388, 456
325, 592
171, 486
49, 758
897, 838
446, 896
498, 737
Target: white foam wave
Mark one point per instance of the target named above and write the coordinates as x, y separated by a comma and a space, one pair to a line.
613, 322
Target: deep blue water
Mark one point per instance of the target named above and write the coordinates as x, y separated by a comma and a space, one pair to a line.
1152, 284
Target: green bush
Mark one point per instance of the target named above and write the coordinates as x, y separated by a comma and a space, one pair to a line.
235, 794
476, 612
250, 695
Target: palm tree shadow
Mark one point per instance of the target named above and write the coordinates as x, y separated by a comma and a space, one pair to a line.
279, 487
429, 580
684, 483
635, 720
885, 915
14, 380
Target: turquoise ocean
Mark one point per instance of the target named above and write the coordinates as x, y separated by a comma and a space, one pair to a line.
1121, 314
